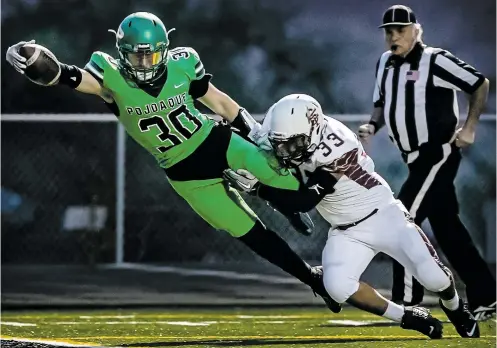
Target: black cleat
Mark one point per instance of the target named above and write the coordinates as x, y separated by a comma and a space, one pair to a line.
319, 289
483, 313
421, 320
462, 319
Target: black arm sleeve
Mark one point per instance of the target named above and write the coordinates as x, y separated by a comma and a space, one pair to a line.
308, 195
198, 88
240, 127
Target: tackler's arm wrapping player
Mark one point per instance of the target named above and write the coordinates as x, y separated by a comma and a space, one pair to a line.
340, 180
151, 89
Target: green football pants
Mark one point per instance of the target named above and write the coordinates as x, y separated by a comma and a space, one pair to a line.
222, 206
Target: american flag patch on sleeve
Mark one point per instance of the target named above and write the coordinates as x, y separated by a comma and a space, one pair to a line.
412, 75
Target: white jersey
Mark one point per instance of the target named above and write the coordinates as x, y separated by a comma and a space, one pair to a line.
360, 190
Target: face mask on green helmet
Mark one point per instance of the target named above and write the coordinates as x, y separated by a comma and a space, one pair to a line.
144, 64
142, 42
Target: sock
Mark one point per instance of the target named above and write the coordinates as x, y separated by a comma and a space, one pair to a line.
394, 312
452, 304
449, 292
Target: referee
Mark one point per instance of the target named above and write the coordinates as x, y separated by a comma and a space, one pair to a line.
415, 97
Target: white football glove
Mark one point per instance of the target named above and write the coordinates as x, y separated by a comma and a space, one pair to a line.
365, 131
14, 58
241, 180
260, 137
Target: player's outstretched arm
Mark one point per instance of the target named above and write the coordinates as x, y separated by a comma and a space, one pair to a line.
222, 104
68, 75
216, 100
88, 84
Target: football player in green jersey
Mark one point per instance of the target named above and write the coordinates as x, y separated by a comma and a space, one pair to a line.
151, 90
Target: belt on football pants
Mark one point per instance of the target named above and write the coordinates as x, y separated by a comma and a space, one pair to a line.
344, 227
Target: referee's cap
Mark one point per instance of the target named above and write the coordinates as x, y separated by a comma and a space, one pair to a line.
398, 15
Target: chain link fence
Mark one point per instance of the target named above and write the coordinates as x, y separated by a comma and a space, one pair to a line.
51, 173
59, 198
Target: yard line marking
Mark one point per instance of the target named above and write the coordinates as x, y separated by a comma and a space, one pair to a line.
54, 342
14, 323
348, 322
231, 338
207, 315
185, 323
359, 322
271, 316
107, 316
271, 322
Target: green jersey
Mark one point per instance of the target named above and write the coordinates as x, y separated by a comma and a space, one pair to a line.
168, 126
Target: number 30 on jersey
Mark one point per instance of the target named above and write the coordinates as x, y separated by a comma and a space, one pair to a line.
179, 125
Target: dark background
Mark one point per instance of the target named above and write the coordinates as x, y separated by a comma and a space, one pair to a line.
258, 51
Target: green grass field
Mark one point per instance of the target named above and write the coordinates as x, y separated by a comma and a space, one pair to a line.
227, 328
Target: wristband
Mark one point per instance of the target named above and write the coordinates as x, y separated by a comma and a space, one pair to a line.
70, 75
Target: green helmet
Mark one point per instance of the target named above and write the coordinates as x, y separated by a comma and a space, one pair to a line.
142, 42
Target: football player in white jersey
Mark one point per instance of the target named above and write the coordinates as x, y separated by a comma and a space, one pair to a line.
339, 180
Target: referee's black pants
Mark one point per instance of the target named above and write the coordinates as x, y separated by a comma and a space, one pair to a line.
429, 192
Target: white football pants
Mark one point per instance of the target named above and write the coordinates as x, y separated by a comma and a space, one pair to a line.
348, 253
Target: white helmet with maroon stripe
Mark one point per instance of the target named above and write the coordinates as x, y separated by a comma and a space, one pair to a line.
295, 127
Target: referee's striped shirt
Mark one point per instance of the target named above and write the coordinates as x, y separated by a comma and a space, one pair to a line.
418, 95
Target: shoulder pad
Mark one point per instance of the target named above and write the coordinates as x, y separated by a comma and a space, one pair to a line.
190, 61
99, 62
337, 140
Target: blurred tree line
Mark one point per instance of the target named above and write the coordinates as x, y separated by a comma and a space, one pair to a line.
245, 46
242, 43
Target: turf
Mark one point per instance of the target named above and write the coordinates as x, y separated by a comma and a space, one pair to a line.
291, 327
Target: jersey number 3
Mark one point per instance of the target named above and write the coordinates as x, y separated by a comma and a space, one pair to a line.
178, 120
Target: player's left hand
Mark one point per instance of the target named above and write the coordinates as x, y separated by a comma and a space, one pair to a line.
464, 137
241, 180
14, 58
260, 137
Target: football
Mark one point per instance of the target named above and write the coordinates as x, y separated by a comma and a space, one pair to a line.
42, 67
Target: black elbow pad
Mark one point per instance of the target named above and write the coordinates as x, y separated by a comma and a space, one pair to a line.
198, 88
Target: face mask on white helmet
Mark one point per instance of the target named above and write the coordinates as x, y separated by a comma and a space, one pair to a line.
296, 123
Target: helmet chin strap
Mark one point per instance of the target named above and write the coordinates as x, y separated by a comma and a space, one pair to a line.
301, 159
144, 76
